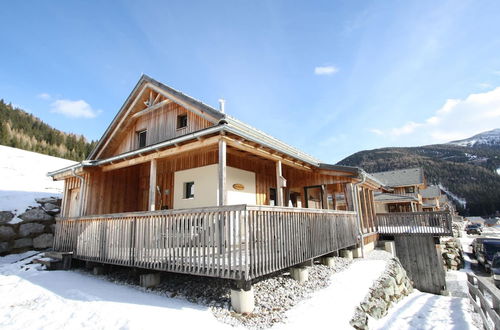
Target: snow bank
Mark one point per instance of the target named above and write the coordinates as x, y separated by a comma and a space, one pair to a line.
334, 306
24, 177
33, 299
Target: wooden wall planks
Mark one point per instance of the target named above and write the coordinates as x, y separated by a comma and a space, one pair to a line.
161, 125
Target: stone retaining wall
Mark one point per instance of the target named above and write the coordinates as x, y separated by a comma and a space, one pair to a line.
391, 287
34, 231
453, 258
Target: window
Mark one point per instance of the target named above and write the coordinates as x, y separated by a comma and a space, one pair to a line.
182, 121
141, 138
188, 190
409, 189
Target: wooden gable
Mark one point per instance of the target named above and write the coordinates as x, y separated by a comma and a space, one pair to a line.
157, 111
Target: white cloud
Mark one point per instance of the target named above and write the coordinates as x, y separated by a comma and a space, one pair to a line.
456, 119
376, 131
74, 109
325, 70
44, 96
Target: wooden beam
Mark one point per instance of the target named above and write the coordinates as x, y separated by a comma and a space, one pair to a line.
279, 184
222, 198
264, 154
164, 153
151, 108
152, 185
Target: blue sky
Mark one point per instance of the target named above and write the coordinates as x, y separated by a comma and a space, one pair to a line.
329, 77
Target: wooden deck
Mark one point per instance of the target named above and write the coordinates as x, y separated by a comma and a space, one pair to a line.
415, 223
239, 242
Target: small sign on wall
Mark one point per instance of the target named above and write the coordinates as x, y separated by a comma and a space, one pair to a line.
238, 186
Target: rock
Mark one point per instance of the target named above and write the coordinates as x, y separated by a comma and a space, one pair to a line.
51, 209
51, 200
43, 241
22, 243
7, 233
5, 216
36, 214
31, 228
4, 247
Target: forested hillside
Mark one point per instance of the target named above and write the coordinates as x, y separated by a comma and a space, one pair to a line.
22, 130
468, 172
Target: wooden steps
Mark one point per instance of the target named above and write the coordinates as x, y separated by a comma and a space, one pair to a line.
55, 260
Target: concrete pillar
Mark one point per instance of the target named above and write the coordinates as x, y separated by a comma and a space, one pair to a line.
98, 270
357, 253
149, 280
242, 301
300, 274
346, 254
328, 261
390, 247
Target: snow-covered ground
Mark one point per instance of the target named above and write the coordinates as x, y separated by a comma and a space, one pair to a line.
23, 177
37, 299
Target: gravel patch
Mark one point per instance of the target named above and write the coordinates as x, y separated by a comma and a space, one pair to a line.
279, 293
274, 294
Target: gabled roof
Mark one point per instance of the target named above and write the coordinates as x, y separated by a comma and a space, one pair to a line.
394, 198
185, 100
431, 192
222, 123
401, 178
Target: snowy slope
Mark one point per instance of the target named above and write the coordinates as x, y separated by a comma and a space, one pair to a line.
489, 138
23, 177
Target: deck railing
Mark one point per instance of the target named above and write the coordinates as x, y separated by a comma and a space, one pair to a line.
415, 223
239, 242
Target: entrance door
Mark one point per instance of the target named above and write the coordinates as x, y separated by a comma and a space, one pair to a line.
74, 202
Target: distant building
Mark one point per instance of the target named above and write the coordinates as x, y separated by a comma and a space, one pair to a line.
407, 191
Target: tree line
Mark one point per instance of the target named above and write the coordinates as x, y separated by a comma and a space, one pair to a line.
22, 130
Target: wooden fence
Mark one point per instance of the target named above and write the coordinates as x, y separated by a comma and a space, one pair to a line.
238, 242
488, 306
415, 223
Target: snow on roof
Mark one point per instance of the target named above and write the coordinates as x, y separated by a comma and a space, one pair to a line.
399, 178
431, 192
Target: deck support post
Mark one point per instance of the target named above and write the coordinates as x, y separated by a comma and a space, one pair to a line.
328, 261
346, 254
242, 297
149, 280
300, 274
152, 185
222, 196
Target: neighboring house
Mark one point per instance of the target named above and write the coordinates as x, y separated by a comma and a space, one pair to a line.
478, 220
492, 222
431, 198
401, 191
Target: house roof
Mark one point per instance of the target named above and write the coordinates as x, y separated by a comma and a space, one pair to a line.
401, 178
395, 198
431, 192
222, 122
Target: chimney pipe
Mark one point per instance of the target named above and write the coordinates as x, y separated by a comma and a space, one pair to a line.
222, 102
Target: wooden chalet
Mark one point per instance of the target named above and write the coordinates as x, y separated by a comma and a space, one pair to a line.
176, 185
181, 167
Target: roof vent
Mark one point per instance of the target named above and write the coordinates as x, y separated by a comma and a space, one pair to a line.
222, 103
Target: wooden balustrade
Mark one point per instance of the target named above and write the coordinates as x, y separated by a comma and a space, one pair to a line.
415, 223
485, 301
236, 242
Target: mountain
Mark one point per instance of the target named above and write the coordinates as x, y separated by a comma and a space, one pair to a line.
22, 130
468, 169
489, 138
